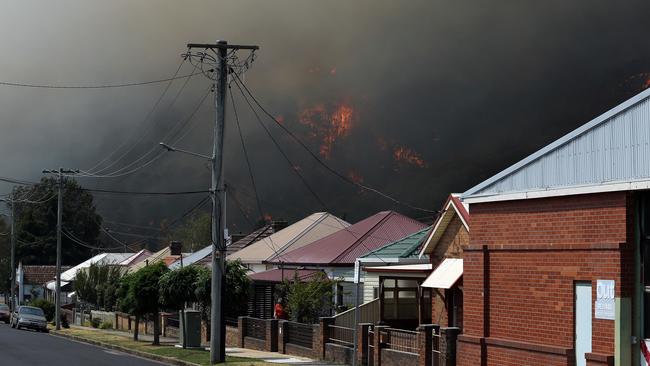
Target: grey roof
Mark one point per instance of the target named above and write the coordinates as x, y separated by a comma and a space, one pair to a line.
612, 148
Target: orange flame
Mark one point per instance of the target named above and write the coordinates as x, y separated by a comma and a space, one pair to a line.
405, 155
328, 126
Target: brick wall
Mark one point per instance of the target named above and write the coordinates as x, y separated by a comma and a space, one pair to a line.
534, 251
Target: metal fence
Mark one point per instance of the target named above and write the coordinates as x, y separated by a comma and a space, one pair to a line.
300, 334
256, 328
341, 335
400, 340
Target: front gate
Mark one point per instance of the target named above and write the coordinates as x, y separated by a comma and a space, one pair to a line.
371, 346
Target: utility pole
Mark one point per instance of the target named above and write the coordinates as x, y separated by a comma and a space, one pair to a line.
59, 220
12, 303
217, 323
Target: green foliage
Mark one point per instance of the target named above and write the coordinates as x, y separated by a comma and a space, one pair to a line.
98, 285
36, 223
238, 287
106, 325
195, 232
145, 288
202, 289
178, 287
307, 301
95, 322
125, 294
47, 307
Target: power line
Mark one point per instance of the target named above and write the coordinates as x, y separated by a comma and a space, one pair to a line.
120, 172
147, 116
101, 86
243, 146
277, 145
240, 84
140, 193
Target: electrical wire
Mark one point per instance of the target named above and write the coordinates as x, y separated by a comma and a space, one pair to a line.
101, 86
343, 177
146, 118
284, 155
243, 146
175, 138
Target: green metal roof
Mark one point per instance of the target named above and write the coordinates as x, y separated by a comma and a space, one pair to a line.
407, 247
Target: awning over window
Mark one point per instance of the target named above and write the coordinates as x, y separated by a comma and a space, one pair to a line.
446, 274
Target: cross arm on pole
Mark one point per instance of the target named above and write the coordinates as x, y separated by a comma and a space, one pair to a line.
222, 45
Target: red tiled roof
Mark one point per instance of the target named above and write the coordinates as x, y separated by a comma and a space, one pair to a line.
38, 275
279, 275
345, 246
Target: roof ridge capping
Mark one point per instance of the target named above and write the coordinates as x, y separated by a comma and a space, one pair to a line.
558, 143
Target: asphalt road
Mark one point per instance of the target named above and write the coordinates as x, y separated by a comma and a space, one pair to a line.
28, 348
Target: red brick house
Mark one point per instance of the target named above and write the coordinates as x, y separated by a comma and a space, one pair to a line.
444, 245
557, 270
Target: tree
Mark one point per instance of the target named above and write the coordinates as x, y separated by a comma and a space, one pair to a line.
146, 293
237, 288
195, 232
126, 301
307, 301
177, 288
36, 222
98, 285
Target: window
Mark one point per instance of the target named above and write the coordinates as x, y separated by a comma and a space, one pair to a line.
400, 298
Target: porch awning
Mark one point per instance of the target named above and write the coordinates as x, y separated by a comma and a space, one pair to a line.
278, 275
446, 274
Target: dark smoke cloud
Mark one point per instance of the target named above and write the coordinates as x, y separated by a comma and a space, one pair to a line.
471, 86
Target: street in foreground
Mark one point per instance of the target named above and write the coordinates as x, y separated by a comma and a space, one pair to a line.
24, 347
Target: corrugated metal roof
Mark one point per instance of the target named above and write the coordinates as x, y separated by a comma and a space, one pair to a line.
303, 232
612, 148
345, 246
102, 258
407, 247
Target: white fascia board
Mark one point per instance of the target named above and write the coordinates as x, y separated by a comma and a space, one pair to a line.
559, 192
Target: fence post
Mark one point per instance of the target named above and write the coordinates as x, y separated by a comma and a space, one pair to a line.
362, 343
282, 336
323, 335
378, 343
425, 341
241, 324
448, 338
271, 335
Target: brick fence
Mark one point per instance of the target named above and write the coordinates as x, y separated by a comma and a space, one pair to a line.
429, 345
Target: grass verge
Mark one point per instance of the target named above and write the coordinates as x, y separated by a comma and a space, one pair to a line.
169, 352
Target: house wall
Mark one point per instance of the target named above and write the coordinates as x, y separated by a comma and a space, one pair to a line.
450, 245
520, 271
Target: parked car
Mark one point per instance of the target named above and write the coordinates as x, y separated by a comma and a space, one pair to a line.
29, 317
5, 314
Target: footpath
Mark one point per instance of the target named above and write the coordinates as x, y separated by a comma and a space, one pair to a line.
168, 353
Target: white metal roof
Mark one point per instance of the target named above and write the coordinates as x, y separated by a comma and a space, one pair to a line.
609, 153
103, 258
303, 232
446, 274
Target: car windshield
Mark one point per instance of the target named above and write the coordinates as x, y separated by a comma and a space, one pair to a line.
4, 307
31, 311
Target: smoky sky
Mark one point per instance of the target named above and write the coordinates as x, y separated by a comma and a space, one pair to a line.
468, 87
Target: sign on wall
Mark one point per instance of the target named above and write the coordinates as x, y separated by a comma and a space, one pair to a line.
605, 304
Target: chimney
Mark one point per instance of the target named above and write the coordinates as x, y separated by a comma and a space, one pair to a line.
176, 247
237, 237
279, 225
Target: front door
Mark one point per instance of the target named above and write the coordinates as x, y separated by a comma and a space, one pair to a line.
582, 322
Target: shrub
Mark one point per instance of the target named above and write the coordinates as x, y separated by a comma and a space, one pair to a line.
95, 322
106, 325
64, 321
47, 307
